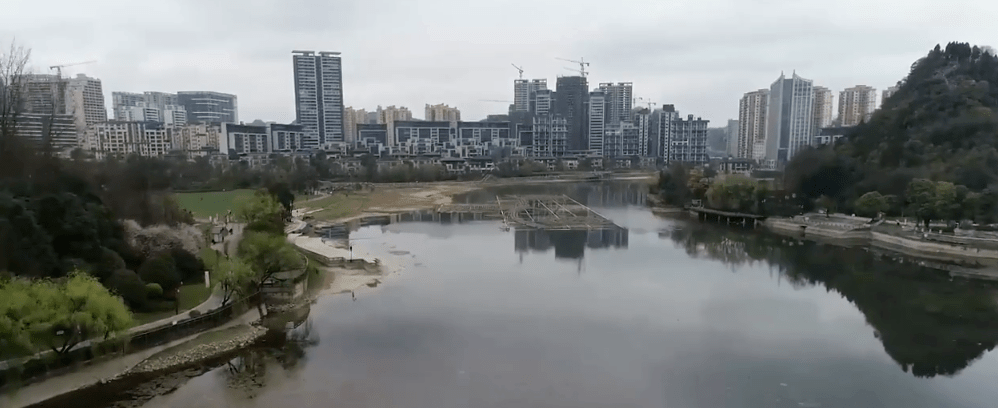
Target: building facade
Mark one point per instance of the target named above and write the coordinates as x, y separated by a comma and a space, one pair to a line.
597, 119
319, 96
524, 91
731, 132
85, 101
570, 102
752, 111
120, 139
857, 104
208, 106
442, 113
790, 119
550, 136
822, 116
56, 131
619, 101
682, 140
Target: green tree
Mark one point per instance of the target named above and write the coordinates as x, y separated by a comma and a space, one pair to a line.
673, 185
733, 193
161, 269
129, 286
263, 214
58, 314
268, 254
234, 277
871, 204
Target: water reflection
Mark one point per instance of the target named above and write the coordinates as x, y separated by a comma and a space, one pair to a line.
928, 323
569, 244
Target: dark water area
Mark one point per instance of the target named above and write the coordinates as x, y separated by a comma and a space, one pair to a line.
660, 312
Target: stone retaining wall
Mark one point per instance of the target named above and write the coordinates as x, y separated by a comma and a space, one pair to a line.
914, 247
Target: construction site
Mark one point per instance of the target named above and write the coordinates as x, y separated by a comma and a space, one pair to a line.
547, 212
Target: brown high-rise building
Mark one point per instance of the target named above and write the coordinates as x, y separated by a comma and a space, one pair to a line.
822, 116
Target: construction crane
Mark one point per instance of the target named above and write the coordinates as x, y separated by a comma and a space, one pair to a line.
518, 69
582, 65
58, 68
645, 100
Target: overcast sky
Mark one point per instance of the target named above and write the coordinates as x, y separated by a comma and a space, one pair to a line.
699, 55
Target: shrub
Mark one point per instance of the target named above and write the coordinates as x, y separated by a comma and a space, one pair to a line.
161, 269
153, 290
190, 268
129, 286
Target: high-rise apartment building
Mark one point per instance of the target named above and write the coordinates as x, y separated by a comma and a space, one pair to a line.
857, 104
790, 118
122, 101
619, 101
351, 118
524, 91
752, 111
597, 119
208, 106
570, 102
160, 100
887, 94
85, 101
680, 140
550, 134
731, 132
641, 118
119, 139
822, 116
543, 102
319, 96
442, 113
44, 94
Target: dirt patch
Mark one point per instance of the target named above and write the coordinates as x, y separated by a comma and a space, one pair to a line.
341, 206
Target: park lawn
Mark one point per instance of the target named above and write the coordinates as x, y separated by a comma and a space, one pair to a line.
190, 296
206, 204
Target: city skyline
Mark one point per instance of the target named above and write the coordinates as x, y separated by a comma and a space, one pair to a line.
696, 67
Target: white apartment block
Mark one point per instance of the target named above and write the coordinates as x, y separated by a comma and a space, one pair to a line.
120, 139
85, 100
790, 119
597, 119
822, 117
543, 102
857, 104
619, 101
550, 136
752, 110
197, 140
318, 79
683, 140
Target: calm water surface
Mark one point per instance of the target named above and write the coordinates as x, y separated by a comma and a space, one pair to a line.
660, 313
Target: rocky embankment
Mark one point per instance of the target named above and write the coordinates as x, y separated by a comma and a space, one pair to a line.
198, 353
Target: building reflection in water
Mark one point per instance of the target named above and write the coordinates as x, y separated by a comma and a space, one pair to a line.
569, 244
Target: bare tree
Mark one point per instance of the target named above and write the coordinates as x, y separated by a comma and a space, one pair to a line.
13, 67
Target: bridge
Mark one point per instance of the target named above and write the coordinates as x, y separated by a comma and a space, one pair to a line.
707, 214
548, 212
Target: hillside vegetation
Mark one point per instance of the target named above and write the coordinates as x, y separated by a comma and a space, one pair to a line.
941, 125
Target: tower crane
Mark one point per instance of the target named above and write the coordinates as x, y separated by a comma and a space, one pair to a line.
645, 100
58, 68
518, 69
582, 65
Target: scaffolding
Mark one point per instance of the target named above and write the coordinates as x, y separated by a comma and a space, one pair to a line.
548, 212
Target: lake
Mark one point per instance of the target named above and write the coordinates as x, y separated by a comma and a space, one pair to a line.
661, 312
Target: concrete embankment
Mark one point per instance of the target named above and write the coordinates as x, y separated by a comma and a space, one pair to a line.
911, 246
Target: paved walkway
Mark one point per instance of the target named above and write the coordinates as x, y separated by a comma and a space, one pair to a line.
90, 375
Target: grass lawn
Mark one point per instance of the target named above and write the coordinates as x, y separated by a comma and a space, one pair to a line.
206, 204
190, 297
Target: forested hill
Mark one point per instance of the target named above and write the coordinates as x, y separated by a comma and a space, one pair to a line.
941, 124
